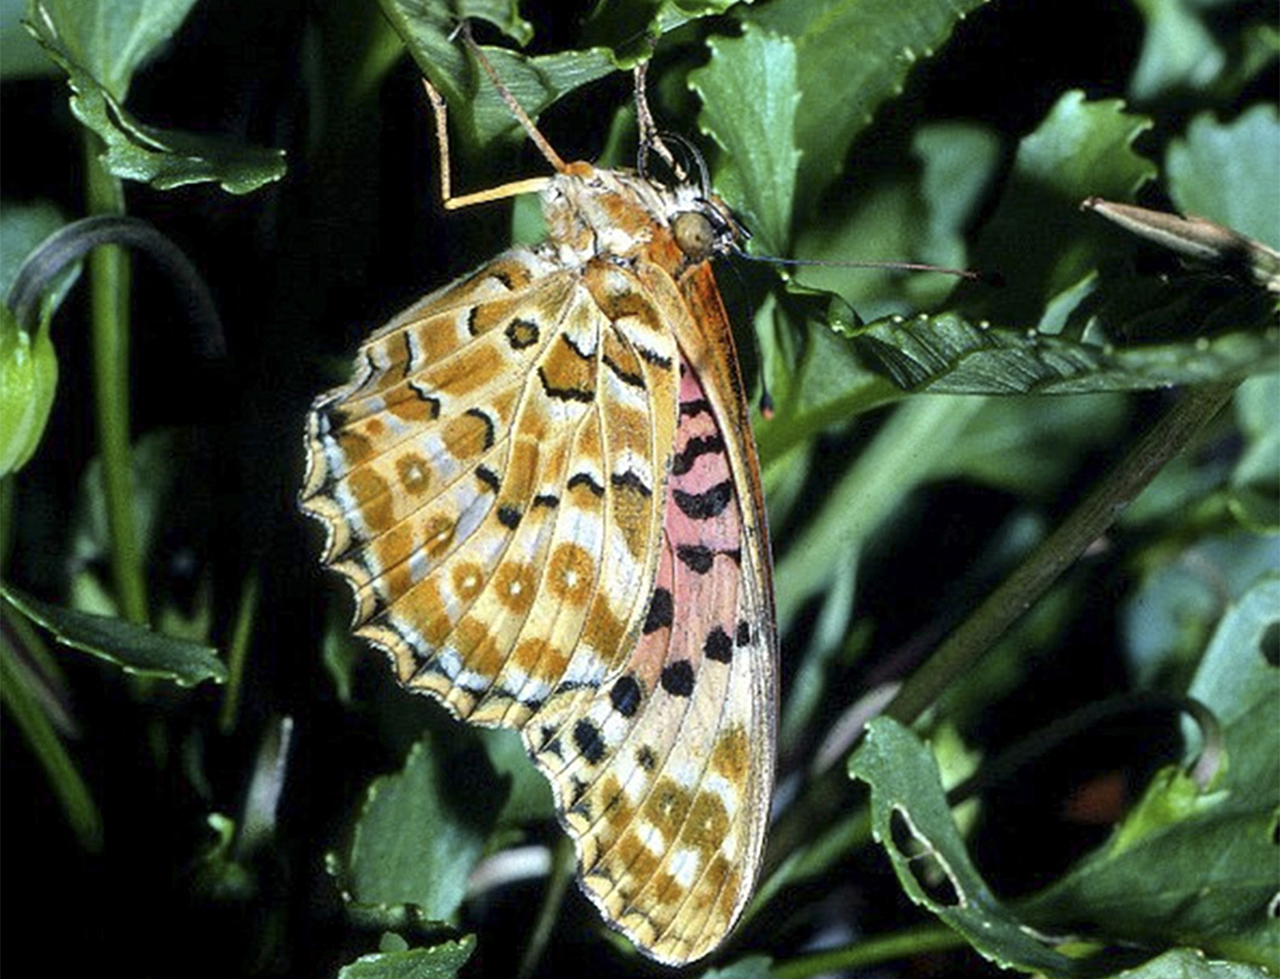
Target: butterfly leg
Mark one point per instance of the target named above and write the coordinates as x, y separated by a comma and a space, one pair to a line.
440, 109
650, 138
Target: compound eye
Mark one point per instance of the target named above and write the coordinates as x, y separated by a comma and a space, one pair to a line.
694, 235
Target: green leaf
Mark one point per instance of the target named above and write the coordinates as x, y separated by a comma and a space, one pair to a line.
1189, 963
911, 820
20, 56
1255, 410
477, 114
529, 798
828, 384
1179, 51
441, 961
1168, 620
949, 355
161, 458
1191, 866
23, 226
1002, 446
28, 383
1037, 238
628, 27
1212, 172
133, 648
919, 211
164, 158
1187, 54
109, 39
758, 172
750, 967
423, 830
851, 55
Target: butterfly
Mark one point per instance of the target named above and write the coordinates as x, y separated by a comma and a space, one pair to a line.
540, 484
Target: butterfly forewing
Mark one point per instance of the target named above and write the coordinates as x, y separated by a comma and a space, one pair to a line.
541, 487
494, 508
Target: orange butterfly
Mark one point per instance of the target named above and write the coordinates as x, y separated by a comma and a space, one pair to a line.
541, 486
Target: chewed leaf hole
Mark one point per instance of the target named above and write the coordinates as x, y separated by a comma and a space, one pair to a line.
1269, 644
927, 866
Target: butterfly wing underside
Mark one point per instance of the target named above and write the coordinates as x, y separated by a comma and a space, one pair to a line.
540, 487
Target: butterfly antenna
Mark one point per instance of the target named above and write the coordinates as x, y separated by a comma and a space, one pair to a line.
973, 275
463, 32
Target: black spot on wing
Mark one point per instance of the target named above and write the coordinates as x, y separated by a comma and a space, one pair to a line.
433, 403
581, 354
509, 516
653, 357
677, 678
585, 395
626, 377
489, 478
698, 558
626, 695
661, 611
691, 409
410, 355
522, 333
587, 480
705, 505
630, 481
718, 646
489, 433
550, 741
695, 447
586, 736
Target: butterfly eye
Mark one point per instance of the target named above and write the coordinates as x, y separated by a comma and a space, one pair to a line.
694, 234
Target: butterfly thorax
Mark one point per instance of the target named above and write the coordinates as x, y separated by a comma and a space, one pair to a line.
619, 215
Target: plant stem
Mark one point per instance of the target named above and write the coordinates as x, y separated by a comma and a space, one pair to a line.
22, 705
109, 281
926, 938
246, 614
562, 867
978, 634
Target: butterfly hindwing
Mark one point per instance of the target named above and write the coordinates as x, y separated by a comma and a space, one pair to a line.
661, 773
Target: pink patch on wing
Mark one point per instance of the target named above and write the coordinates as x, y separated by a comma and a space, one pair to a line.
702, 537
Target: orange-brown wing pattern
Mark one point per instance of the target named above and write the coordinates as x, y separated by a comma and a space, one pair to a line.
490, 481
541, 487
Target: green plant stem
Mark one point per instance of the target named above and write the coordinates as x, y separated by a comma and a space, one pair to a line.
872, 951
21, 704
562, 868
109, 281
1119, 487
245, 616
7, 495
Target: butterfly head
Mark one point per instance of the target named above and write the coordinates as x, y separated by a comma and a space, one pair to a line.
617, 214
